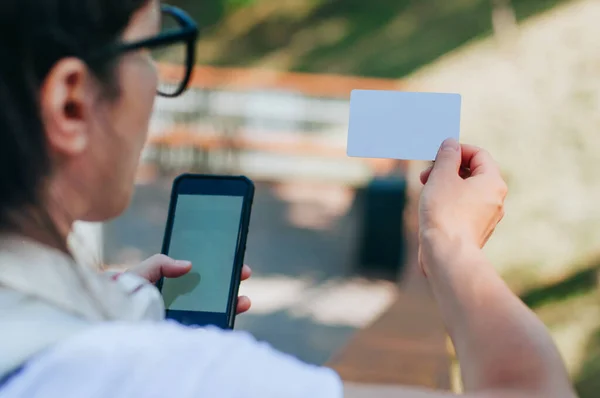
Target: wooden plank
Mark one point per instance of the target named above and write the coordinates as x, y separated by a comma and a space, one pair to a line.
405, 346
181, 136
246, 79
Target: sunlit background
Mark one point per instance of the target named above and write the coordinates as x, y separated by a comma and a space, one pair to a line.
331, 239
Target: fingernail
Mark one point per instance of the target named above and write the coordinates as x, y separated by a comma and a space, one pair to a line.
183, 263
450, 145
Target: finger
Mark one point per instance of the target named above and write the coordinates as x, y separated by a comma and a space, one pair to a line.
243, 304
246, 272
448, 159
175, 268
425, 175
478, 160
464, 173
160, 265
487, 237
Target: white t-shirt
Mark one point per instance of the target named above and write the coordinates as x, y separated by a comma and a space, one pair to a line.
167, 360
84, 335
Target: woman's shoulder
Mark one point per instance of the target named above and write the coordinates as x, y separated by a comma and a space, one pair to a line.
167, 359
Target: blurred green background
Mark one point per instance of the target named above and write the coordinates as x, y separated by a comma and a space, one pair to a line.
380, 38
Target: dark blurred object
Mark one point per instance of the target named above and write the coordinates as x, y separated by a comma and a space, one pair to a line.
381, 246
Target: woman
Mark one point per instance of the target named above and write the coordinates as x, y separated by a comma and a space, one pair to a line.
77, 86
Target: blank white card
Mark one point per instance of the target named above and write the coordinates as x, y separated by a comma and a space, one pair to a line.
401, 125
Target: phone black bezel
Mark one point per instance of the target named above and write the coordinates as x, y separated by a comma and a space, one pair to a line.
203, 184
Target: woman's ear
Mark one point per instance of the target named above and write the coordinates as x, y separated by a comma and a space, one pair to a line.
65, 107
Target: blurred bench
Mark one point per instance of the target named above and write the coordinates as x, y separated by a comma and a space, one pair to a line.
407, 345
285, 159
281, 115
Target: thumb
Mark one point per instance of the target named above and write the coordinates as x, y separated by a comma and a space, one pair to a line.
175, 268
160, 265
448, 159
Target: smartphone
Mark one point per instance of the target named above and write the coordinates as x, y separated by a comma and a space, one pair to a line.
208, 223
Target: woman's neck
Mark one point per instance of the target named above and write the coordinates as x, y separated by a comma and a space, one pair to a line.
39, 225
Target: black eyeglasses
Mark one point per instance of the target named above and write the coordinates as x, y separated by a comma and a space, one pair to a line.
173, 50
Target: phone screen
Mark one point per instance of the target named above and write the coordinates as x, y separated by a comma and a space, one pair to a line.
205, 231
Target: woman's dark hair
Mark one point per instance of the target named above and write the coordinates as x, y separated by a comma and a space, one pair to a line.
34, 36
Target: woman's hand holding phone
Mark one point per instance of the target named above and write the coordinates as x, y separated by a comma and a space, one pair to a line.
160, 265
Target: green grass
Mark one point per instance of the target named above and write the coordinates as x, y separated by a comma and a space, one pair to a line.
587, 382
580, 283
380, 38
557, 306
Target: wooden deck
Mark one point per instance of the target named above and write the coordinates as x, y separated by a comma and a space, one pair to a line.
309, 84
407, 345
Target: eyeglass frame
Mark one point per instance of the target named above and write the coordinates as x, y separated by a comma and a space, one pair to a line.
188, 34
